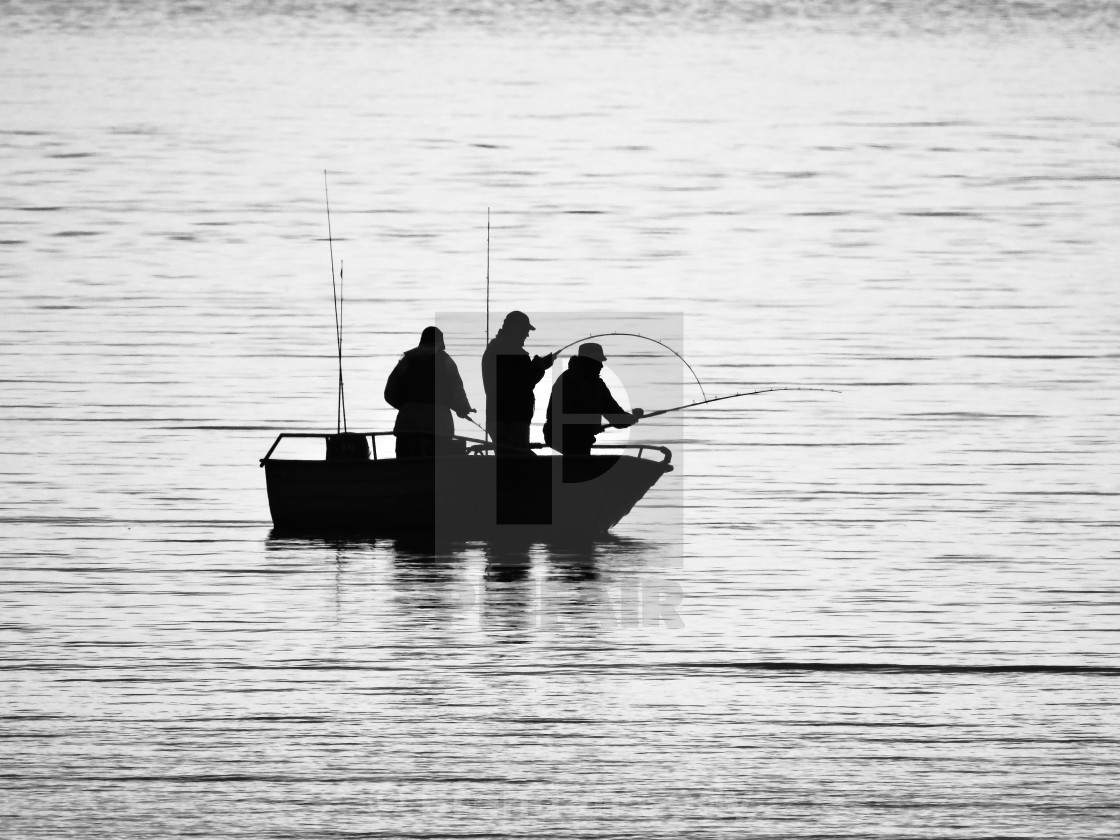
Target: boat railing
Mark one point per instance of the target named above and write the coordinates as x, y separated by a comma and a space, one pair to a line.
481, 448
665, 452
473, 446
372, 436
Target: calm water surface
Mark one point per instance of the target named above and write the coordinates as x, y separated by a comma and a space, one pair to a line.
898, 604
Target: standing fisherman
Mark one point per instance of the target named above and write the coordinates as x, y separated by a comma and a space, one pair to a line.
580, 402
425, 387
509, 376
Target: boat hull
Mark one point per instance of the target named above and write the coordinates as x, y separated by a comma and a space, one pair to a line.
548, 497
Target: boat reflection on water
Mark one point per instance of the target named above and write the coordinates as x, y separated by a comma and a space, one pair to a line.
503, 588
507, 561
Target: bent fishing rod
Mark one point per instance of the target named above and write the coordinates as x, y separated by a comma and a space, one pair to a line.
646, 338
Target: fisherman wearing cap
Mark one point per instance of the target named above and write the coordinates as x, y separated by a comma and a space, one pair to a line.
425, 387
580, 402
509, 376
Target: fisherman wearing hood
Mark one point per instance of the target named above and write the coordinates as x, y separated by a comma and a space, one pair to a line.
509, 376
425, 387
579, 403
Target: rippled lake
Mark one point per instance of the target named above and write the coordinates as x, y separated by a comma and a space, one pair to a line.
898, 606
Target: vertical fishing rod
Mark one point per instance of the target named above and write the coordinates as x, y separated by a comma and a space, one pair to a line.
487, 276
341, 300
340, 416
485, 432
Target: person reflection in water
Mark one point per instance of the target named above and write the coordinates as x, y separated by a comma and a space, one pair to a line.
425, 387
580, 401
509, 375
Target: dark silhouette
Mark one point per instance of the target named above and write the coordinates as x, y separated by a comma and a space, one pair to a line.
579, 403
347, 446
425, 387
509, 375
456, 498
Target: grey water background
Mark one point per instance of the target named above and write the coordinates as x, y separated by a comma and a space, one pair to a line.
898, 607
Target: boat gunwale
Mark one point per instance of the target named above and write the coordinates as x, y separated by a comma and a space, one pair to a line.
475, 449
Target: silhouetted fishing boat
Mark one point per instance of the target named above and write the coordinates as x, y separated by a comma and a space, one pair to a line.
468, 495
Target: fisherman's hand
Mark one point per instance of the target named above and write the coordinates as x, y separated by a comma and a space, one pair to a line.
638, 414
547, 360
466, 415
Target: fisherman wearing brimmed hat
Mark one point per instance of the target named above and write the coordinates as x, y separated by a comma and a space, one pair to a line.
580, 402
425, 387
509, 376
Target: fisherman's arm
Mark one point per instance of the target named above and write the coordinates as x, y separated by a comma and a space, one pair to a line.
624, 419
457, 398
538, 365
615, 414
393, 385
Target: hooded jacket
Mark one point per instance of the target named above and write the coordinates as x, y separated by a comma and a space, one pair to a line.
425, 387
580, 390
